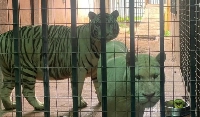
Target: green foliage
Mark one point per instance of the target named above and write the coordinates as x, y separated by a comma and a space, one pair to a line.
123, 25
167, 33
127, 19
177, 103
138, 18
128, 31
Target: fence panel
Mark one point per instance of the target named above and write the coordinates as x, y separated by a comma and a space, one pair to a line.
142, 33
189, 51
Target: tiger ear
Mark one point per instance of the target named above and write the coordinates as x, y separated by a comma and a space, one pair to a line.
158, 57
91, 15
115, 14
128, 58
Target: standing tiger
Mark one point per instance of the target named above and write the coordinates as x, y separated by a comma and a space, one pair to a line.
59, 56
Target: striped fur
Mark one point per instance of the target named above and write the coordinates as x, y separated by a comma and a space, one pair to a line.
59, 55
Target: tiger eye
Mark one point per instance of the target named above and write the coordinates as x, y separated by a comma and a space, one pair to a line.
137, 77
155, 76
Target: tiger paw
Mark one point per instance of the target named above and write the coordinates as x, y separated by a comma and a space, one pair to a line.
98, 96
10, 106
39, 107
82, 103
99, 99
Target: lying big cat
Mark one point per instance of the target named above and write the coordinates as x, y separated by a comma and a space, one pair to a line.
147, 81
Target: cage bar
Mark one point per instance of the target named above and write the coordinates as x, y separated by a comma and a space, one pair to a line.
192, 58
103, 58
32, 11
17, 68
74, 42
45, 58
132, 55
184, 14
162, 73
197, 16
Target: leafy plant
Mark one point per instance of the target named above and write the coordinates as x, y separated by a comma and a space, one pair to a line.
167, 33
127, 19
177, 103
123, 25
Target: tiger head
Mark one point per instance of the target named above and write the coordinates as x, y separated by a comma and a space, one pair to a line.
147, 79
112, 26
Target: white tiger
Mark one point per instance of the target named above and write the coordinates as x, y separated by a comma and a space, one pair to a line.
147, 77
59, 56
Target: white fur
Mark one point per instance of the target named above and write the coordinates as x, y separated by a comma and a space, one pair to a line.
119, 86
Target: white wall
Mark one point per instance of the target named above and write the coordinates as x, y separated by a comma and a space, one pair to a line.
123, 7
84, 6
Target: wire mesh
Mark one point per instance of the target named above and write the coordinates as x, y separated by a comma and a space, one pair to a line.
146, 27
189, 51
197, 58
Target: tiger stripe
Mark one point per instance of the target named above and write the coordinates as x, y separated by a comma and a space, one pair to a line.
59, 55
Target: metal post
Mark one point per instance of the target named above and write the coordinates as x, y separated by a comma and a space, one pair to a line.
45, 59
103, 58
132, 55
17, 67
162, 73
192, 58
198, 59
74, 41
32, 11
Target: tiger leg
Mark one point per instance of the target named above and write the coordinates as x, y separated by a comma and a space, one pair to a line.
96, 86
6, 89
81, 78
29, 93
95, 83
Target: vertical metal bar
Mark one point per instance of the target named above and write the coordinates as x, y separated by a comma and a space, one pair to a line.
45, 58
103, 58
17, 67
162, 74
32, 11
132, 55
192, 58
74, 41
180, 38
198, 58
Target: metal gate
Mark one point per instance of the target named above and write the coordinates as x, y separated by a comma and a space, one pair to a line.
189, 54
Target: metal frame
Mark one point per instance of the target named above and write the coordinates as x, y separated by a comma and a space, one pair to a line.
74, 57
189, 51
